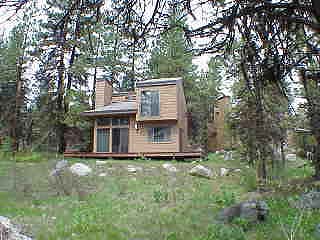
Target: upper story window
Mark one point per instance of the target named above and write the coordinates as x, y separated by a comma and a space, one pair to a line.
150, 104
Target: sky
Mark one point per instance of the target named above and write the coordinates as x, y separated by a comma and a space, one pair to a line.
8, 19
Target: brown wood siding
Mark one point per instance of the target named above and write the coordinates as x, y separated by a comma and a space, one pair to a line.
182, 119
138, 139
168, 102
103, 93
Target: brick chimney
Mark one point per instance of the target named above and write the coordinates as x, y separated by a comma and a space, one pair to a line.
103, 92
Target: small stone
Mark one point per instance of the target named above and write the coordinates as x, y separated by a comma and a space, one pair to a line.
291, 157
134, 169
227, 156
101, 162
224, 171
102, 174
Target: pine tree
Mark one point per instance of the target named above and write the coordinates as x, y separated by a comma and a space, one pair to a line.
172, 56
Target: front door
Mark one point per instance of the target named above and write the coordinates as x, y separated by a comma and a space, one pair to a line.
120, 140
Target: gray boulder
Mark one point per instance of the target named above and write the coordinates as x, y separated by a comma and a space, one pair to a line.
227, 155
201, 171
60, 166
317, 231
252, 211
80, 169
309, 200
10, 232
169, 167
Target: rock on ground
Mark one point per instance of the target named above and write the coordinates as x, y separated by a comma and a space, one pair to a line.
309, 200
224, 172
62, 164
80, 169
201, 171
59, 167
291, 157
133, 169
169, 167
317, 231
10, 232
100, 162
252, 211
102, 174
227, 156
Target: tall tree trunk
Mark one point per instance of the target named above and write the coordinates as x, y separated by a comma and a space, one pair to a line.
18, 103
283, 157
261, 138
60, 126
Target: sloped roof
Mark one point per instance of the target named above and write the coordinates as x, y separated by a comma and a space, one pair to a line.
124, 107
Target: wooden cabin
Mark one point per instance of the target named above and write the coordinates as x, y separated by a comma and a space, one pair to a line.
151, 121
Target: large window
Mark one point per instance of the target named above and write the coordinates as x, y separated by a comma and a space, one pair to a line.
113, 132
150, 104
159, 134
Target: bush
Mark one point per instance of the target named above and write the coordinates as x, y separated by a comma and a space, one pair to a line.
226, 198
160, 196
30, 157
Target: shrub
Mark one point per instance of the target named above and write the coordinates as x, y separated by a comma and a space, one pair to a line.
226, 198
160, 196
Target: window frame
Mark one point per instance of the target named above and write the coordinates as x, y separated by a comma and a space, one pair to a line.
144, 115
152, 138
112, 125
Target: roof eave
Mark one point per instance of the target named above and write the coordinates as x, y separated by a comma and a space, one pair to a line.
159, 83
103, 113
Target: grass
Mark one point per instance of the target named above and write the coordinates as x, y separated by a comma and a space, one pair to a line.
150, 204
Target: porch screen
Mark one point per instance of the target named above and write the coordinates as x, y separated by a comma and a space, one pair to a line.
103, 140
150, 103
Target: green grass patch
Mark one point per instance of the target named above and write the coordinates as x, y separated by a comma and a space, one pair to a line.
149, 204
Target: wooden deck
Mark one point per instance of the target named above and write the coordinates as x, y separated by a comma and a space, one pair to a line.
154, 155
